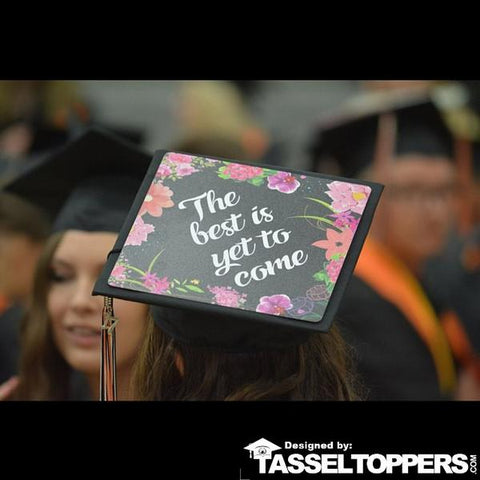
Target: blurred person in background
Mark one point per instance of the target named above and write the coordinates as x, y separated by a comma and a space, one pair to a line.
216, 111
86, 187
388, 315
23, 231
35, 117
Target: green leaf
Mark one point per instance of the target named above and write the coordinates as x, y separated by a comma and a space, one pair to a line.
154, 260
176, 281
194, 288
225, 177
325, 204
256, 181
181, 290
320, 276
135, 269
315, 217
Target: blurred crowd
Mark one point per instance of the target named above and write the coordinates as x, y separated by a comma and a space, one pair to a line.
411, 313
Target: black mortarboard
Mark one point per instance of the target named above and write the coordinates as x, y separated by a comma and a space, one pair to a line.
350, 138
238, 256
88, 184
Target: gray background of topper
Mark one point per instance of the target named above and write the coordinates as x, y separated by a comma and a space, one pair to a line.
183, 259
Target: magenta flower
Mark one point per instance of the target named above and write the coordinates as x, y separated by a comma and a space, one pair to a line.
345, 219
227, 296
348, 196
163, 171
139, 232
275, 304
119, 272
237, 171
334, 268
178, 158
155, 284
184, 169
284, 182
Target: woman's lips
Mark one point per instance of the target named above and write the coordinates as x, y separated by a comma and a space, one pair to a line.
83, 336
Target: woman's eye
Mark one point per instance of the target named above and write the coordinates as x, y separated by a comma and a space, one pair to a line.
59, 277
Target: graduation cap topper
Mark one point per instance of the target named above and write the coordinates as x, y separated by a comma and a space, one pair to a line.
239, 256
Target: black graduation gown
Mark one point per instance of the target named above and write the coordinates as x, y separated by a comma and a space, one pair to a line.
393, 362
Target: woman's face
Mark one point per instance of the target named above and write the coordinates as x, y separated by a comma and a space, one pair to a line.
76, 315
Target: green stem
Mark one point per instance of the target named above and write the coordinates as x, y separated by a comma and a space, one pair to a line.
313, 217
325, 204
154, 260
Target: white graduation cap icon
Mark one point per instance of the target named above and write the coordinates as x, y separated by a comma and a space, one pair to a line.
262, 449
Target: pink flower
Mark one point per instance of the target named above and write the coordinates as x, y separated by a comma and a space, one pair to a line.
139, 232
157, 198
348, 196
336, 243
334, 268
284, 182
237, 171
227, 296
275, 304
155, 284
119, 272
185, 169
163, 171
179, 158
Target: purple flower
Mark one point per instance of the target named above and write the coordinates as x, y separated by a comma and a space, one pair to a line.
275, 305
284, 182
155, 284
139, 232
301, 306
345, 219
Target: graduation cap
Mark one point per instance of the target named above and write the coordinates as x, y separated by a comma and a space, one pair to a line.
87, 184
262, 448
352, 136
237, 256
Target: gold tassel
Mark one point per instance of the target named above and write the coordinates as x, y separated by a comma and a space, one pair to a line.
108, 374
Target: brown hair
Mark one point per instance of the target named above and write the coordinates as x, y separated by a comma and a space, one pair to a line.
21, 217
319, 369
43, 372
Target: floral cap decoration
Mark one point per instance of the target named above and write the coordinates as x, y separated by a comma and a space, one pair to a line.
248, 244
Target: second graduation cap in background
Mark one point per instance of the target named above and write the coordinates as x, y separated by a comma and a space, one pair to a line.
88, 184
238, 256
351, 137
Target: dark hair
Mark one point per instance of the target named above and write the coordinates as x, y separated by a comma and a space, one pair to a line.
319, 369
21, 217
44, 373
